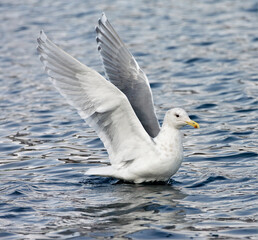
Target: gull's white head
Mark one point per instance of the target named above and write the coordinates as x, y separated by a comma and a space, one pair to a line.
177, 118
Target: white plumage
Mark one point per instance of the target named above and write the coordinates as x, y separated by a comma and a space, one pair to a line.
121, 111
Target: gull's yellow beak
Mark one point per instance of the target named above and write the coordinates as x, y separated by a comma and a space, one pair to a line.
193, 123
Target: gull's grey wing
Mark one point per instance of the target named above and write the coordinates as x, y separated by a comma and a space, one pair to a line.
123, 71
99, 102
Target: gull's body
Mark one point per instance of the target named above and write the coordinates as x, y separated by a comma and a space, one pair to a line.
156, 159
120, 110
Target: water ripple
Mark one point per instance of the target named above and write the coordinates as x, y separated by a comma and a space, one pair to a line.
201, 56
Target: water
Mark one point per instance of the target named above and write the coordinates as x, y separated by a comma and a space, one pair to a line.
199, 55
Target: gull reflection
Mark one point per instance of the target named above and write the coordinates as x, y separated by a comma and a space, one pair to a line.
132, 207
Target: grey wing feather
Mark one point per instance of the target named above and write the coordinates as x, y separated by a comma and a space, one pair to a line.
99, 102
123, 71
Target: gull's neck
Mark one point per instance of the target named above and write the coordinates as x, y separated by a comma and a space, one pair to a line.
169, 137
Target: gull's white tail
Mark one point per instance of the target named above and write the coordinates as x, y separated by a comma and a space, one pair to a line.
101, 171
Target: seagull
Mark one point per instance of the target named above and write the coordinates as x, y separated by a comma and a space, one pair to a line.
120, 109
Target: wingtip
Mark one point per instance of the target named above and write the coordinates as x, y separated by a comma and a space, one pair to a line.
98, 40
42, 35
97, 28
103, 17
39, 48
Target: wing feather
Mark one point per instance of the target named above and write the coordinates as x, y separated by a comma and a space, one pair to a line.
99, 102
124, 72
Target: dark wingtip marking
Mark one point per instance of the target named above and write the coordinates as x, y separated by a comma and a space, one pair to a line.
97, 29
39, 49
39, 40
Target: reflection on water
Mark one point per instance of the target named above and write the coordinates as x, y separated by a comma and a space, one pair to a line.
201, 56
133, 208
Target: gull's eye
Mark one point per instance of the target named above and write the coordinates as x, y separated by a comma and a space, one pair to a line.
177, 115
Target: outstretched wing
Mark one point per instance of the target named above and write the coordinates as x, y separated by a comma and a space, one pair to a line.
99, 102
124, 72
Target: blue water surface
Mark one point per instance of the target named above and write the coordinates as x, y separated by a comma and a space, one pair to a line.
199, 55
